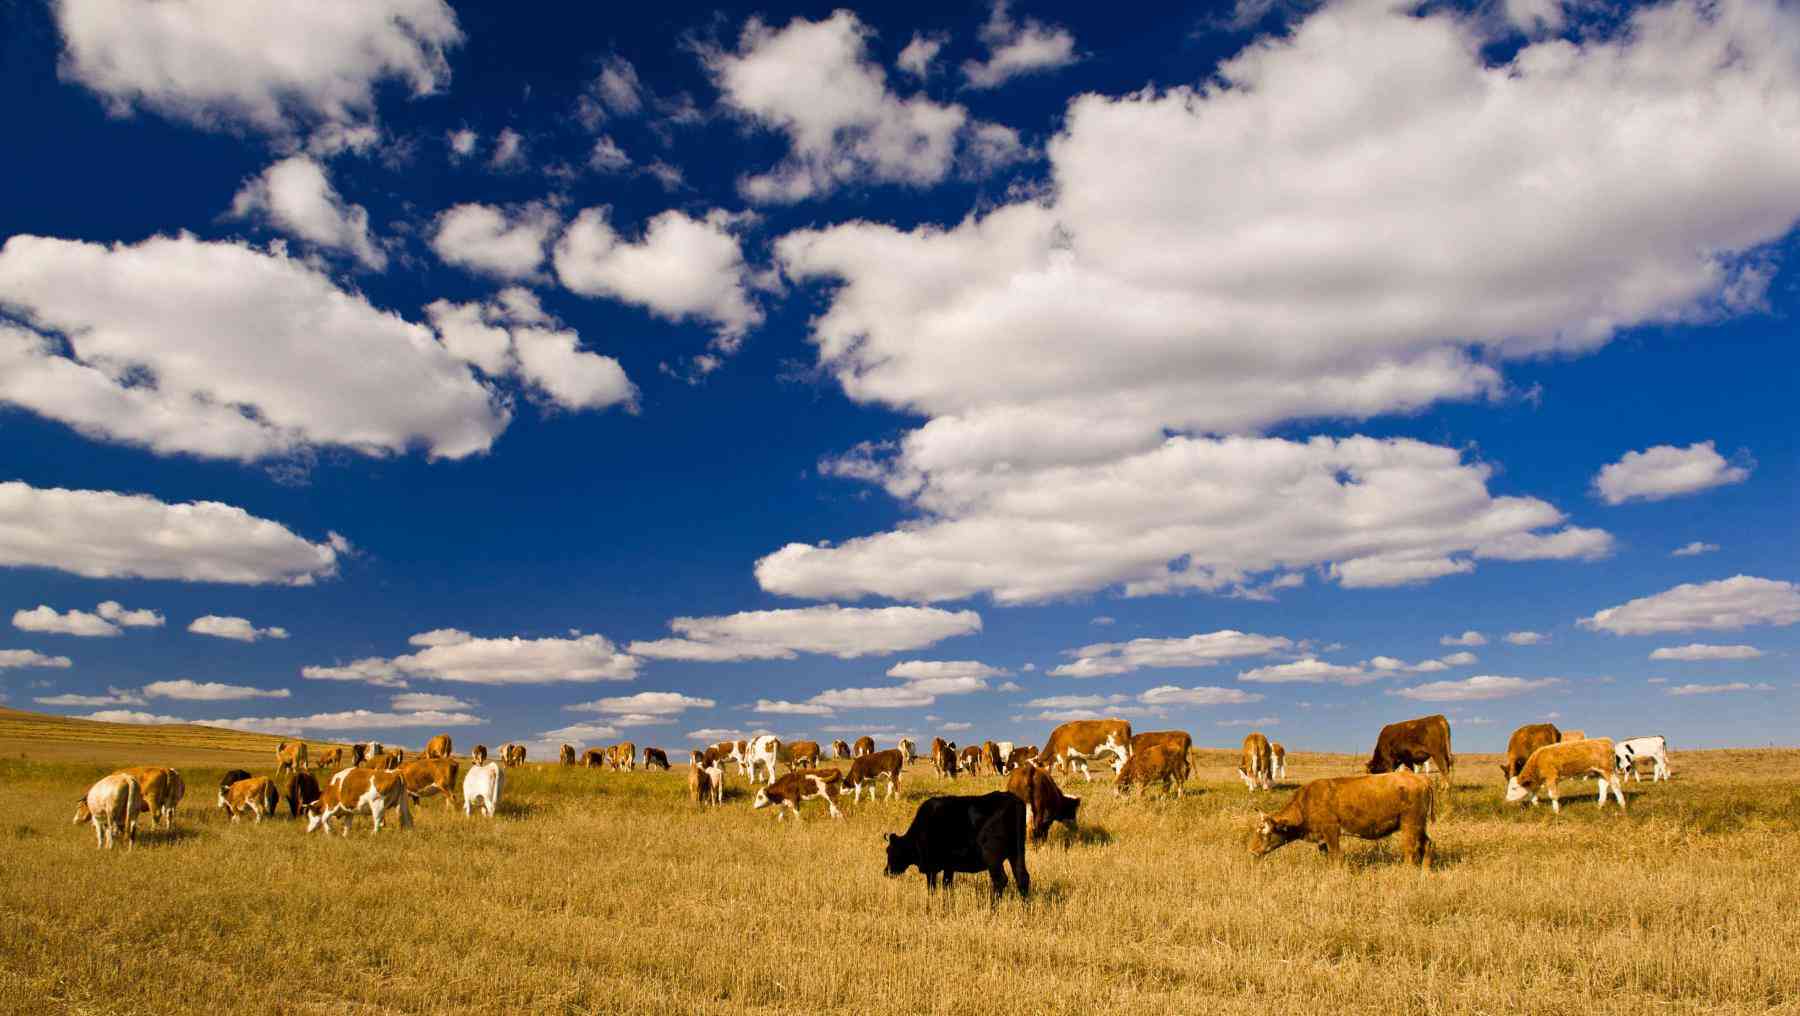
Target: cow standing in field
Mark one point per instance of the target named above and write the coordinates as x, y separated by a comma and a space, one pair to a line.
840, 750
159, 791
1413, 742
425, 777
568, 755
1079, 741
866, 769
1044, 801
656, 758
993, 757
1522, 743
943, 757
256, 795
762, 752
290, 756
593, 758
1254, 770
1159, 763
1568, 760
706, 777
865, 745
481, 789
789, 792
302, 789
970, 759
438, 747
386, 761
1370, 807
908, 748
964, 834
513, 755
328, 758
622, 756
1019, 756
110, 804
1631, 753
374, 791
801, 755
1277, 760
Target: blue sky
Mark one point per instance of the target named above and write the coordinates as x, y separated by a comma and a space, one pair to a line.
950, 369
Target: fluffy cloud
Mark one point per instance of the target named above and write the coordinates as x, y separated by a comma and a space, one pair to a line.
944, 670
1527, 638
296, 197
1171, 695
462, 143
272, 66
210, 691
117, 613
1473, 689
783, 708
1696, 652
1391, 665
113, 697
646, 703
920, 54
99, 534
353, 719
1728, 604
1666, 471
1715, 689
681, 268
1309, 669
899, 697
374, 670
236, 628
45, 619
439, 637
511, 336
1015, 48
1189, 513
471, 660
221, 350
133, 716
548, 742
506, 243
844, 632
1693, 549
414, 702
13, 659
509, 150
1107, 658
1467, 638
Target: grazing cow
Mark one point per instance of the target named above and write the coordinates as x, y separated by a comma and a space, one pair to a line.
1075, 743
706, 778
865, 745
359, 790
232, 776
110, 805
964, 834
970, 759
908, 748
762, 751
593, 758
302, 789
1159, 763
801, 755
438, 747
993, 758
622, 756
840, 749
159, 791
513, 755
385, 761
1045, 803
1175, 740
868, 768
656, 758
290, 756
1255, 768
1633, 752
481, 788
1019, 756
943, 757
328, 758
801, 785
1568, 760
1413, 742
1370, 807
1574, 735
1522, 743
568, 754
1277, 760
358, 753
256, 795
427, 776
479, 755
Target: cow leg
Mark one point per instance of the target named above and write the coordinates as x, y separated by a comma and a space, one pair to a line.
99, 834
931, 881
1618, 790
376, 807
1555, 802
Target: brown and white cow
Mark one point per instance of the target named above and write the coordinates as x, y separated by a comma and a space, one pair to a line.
159, 791
1370, 807
907, 748
943, 757
568, 755
1411, 743
840, 750
1077, 742
110, 804
438, 747
427, 776
1573, 735
1277, 760
359, 790
513, 755
327, 758
593, 758
656, 758
479, 755
992, 757
866, 769
787, 793
622, 756
1019, 756
1165, 763
1175, 740
290, 755
800, 755
386, 761
865, 745
706, 778
1522, 743
1568, 760
1045, 803
970, 759
1254, 770
257, 796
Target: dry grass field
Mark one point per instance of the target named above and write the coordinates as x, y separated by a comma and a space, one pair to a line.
609, 893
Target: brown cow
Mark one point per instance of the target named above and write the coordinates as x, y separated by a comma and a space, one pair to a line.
1277, 760
787, 793
300, 790
438, 747
593, 758
1165, 763
656, 758
290, 756
840, 749
1371, 807
568, 754
1175, 740
1255, 768
329, 758
1568, 759
1572, 735
1045, 802
385, 762
1413, 742
800, 755
513, 755
990, 754
427, 776
943, 757
970, 759
479, 755
1075, 743
868, 768
159, 791
706, 778
256, 795
1522, 743
865, 745
356, 790
622, 756
1020, 756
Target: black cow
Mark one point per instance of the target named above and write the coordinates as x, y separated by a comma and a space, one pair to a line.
967, 834
300, 791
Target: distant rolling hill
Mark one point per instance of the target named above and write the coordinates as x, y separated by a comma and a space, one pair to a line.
46, 738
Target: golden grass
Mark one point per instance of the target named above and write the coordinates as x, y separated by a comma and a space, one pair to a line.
601, 892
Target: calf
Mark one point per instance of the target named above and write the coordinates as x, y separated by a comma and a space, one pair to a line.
1077, 742
359, 790
1370, 807
865, 745
1277, 760
878, 765
1044, 801
438, 747
481, 788
425, 777
289, 756
964, 834
1159, 763
1255, 768
656, 758
970, 759
302, 789
840, 749
802, 755
1412, 743
1633, 752
256, 795
110, 805
1522, 743
568, 755
1568, 759
706, 778
801, 785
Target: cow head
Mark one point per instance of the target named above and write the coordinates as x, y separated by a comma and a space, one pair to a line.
81, 810
1516, 791
1065, 812
762, 799
1270, 833
900, 856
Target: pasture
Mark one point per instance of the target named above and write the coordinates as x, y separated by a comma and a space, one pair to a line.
599, 892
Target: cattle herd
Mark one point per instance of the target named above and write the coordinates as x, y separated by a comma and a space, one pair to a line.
949, 833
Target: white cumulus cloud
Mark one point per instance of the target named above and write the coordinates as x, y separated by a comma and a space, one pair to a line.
505, 243
1527, 638
295, 196
120, 615
1106, 658
44, 619
844, 632
1310, 669
1717, 689
1172, 695
1467, 638
1017, 47
1696, 652
210, 691
512, 336
236, 628
681, 268
1725, 605
14, 659
1474, 689
1694, 549
1666, 471
474, 660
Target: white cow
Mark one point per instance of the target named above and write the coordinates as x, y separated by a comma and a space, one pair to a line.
481, 788
112, 805
763, 751
1634, 751
359, 790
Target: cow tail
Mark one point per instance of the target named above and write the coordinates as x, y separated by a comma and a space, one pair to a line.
1431, 800
131, 807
